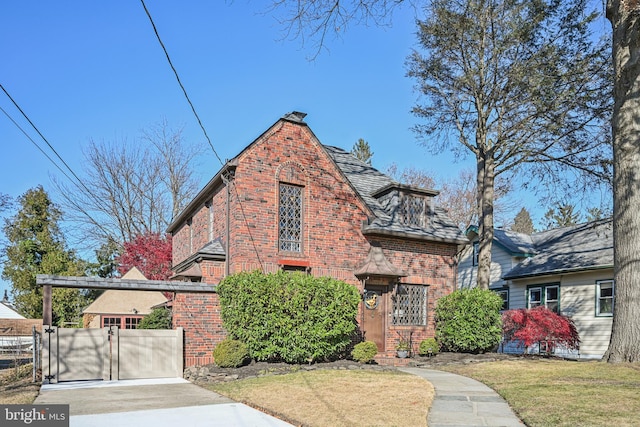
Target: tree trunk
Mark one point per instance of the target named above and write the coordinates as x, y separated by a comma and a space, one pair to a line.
625, 335
486, 179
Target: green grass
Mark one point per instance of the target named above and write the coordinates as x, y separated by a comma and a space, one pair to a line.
564, 393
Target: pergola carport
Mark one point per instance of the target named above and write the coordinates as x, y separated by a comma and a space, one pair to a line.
112, 353
50, 281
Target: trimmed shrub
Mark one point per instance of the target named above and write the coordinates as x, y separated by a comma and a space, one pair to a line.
540, 324
292, 317
230, 354
364, 352
428, 347
468, 321
159, 318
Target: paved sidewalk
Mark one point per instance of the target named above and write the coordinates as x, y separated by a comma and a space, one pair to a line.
462, 401
166, 402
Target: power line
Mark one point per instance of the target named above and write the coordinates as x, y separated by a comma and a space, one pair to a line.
35, 143
175, 72
76, 182
43, 138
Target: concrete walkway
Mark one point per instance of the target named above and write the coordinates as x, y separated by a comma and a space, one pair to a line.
462, 401
165, 402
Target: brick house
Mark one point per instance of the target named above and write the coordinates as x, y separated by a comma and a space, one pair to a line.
289, 202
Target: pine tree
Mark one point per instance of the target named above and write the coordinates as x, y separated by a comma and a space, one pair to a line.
36, 245
563, 215
362, 151
522, 223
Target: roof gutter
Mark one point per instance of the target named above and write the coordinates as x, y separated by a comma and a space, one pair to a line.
556, 272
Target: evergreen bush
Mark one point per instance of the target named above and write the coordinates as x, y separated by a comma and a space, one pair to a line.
292, 317
428, 347
364, 352
159, 318
230, 354
469, 321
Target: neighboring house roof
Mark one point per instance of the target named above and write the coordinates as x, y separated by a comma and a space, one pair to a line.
516, 244
580, 247
6, 309
115, 301
125, 302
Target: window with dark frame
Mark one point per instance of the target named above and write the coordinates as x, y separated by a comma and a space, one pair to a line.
476, 251
290, 218
605, 294
544, 295
412, 210
410, 305
129, 322
504, 294
111, 321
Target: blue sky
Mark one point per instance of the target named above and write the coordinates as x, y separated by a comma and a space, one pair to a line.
85, 70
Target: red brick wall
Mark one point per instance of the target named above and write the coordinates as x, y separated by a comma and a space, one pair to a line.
332, 214
333, 244
425, 263
199, 315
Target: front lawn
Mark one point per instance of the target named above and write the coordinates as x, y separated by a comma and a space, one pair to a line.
563, 393
337, 397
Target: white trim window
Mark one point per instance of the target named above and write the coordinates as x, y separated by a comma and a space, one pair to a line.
544, 295
605, 291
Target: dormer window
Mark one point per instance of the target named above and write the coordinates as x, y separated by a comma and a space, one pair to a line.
412, 211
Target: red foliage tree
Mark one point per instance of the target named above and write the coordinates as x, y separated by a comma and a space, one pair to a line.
540, 325
151, 253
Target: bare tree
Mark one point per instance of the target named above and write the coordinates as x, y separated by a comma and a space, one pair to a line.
315, 20
458, 195
520, 85
625, 335
131, 189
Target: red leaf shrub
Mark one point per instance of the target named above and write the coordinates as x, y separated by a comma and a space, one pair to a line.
151, 253
540, 324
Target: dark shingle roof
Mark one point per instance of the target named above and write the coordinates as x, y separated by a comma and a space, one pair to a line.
581, 247
367, 181
517, 244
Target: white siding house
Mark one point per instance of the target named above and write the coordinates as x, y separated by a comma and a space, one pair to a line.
568, 269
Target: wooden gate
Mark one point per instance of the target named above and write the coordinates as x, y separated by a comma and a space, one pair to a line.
110, 354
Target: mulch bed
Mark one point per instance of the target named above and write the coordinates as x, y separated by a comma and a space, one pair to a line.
213, 373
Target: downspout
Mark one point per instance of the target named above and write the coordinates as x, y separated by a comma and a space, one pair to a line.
227, 177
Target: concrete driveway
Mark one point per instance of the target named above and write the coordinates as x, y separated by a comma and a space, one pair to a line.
158, 403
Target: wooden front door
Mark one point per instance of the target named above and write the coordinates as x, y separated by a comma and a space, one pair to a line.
374, 316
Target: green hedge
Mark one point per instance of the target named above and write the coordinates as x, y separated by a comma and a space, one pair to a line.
291, 317
159, 318
469, 321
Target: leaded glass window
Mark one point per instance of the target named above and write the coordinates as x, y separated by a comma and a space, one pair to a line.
290, 233
412, 211
410, 305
